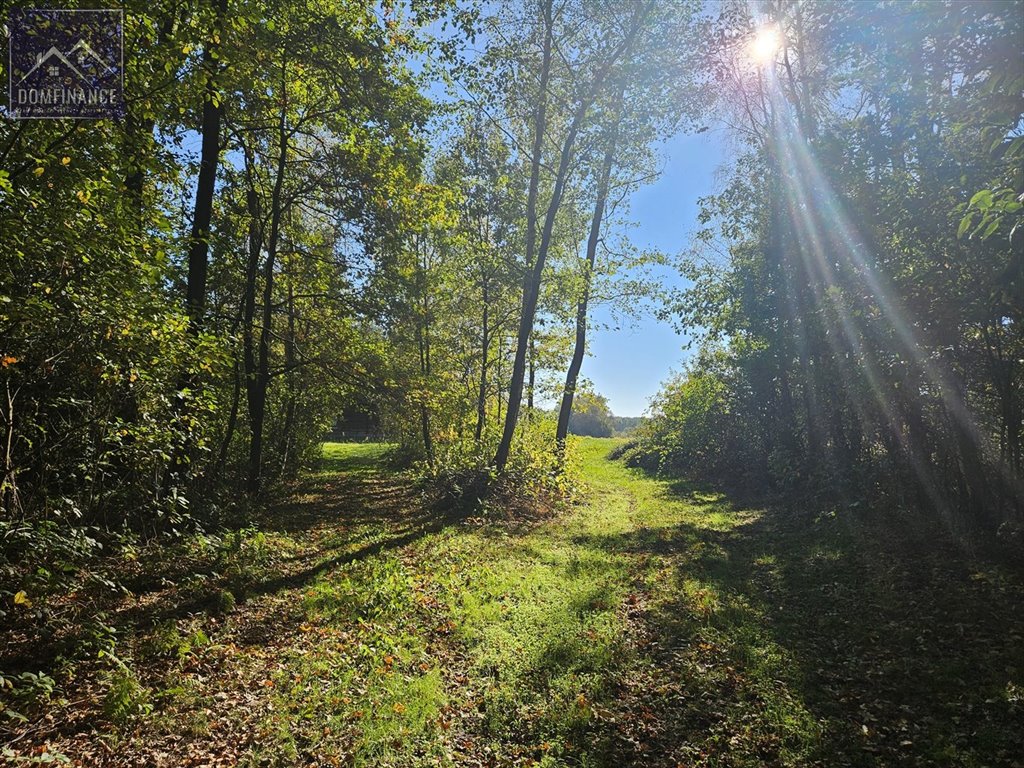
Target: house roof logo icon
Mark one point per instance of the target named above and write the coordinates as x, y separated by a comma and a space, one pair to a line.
87, 53
66, 63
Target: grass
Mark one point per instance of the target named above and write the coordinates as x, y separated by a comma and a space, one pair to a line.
654, 625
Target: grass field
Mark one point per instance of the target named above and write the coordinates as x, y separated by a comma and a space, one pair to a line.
653, 625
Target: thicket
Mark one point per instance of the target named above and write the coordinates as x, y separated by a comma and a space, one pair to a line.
860, 276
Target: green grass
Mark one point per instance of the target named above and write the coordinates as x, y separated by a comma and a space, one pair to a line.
656, 624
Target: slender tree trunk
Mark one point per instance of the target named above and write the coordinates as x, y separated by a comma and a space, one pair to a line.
532, 378
11, 501
423, 339
289, 364
784, 428
532, 283
251, 276
428, 441
199, 242
536, 157
481, 401
497, 371
229, 429
580, 345
258, 381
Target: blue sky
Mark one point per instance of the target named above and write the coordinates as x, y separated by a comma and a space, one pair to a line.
628, 365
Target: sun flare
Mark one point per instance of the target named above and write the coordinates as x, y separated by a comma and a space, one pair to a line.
766, 44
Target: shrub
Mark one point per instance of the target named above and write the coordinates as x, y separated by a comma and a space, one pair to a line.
535, 481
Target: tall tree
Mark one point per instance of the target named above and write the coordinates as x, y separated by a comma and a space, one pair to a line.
611, 40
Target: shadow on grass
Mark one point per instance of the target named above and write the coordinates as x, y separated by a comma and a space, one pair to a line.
347, 509
838, 639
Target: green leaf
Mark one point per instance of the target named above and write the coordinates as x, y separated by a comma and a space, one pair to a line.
981, 200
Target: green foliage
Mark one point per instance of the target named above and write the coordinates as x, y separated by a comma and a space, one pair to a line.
122, 420
694, 429
125, 698
591, 416
168, 641
28, 688
863, 321
535, 482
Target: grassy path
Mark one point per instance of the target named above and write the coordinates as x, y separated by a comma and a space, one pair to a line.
654, 625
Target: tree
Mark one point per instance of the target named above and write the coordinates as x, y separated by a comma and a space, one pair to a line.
857, 325
591, 415
603, 42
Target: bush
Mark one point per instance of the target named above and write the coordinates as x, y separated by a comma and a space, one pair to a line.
700, 425
535, 481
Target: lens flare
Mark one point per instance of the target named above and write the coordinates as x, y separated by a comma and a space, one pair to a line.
766, 44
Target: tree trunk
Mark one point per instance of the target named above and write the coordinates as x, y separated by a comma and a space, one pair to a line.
526, 323
580, 346
532, 378
229, 429
481, 401
258, 380
199, 242
423, 339
532, 282
289, 365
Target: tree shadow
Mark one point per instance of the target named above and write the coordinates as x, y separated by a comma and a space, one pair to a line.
347, 510
829, 639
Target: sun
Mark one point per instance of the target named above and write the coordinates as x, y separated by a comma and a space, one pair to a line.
766, 44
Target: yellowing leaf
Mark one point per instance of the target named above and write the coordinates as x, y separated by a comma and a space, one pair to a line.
65, 160
38, 171
399, 707
22, 599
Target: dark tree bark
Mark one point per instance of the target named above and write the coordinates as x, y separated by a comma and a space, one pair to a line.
199, 242
258, 377
485, 341
540, 126
532, 378
423, 340
290, 361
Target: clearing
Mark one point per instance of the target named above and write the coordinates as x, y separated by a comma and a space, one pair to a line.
655, 624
